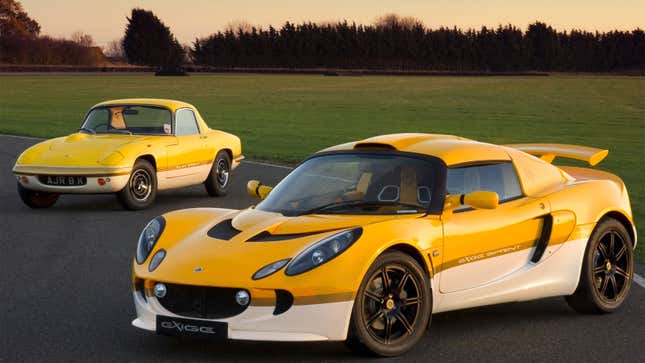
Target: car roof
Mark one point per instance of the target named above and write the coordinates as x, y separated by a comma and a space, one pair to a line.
171, 104
453, 150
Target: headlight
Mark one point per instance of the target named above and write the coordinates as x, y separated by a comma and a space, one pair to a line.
270, 269
156, 260
323, 251
149, 237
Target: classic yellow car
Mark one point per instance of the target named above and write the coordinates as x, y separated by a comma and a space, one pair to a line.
131, 147
363, 241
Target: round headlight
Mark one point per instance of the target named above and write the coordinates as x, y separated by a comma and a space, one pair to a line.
149, 237
270, 269
323, 251
317, 257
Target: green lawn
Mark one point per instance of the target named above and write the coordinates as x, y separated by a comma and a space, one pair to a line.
285, 118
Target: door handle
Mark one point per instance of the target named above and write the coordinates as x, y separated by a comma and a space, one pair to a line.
204, 137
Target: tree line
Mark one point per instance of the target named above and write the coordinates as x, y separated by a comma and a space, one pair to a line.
22, 43
409, 45
391, 43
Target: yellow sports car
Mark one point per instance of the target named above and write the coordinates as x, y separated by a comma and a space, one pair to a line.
131, 147
364, 241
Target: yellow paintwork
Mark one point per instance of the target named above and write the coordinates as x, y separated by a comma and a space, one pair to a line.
115, 154
441, 241
548, 152
479, 199
255, 189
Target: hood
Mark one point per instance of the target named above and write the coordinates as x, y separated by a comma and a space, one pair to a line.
77, 149
230, 248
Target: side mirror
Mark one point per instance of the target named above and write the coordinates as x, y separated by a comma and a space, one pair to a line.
478, 199
255, 189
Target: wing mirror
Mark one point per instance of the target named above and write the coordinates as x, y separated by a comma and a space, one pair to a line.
256, 189
479, 199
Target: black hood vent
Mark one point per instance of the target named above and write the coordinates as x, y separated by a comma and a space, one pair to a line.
268, 237
224, 230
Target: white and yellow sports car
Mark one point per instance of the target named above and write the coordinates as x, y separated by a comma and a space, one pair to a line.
364, 241
131, 147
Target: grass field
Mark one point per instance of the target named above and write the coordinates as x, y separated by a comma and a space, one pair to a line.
284, 118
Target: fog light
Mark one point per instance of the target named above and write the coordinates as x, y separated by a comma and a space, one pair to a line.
242, 297
159, 290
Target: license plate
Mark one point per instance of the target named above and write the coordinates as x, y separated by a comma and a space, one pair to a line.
63, 180
189, 327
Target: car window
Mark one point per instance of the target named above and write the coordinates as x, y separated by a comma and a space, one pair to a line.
500, 178
129, 119
185, 123
354, 183
98, 118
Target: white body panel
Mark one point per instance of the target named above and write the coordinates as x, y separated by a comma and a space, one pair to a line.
193, 175
460, 278
553, 276
314, 322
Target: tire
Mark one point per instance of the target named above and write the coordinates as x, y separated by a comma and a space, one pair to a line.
374, 309
35, 199
607, 270
141, 190
219, 177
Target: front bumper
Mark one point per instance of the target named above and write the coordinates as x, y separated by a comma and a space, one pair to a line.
114, 178
307, 322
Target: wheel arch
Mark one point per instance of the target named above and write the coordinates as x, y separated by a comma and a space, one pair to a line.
227, 150
624, 220
149, 158
414, 253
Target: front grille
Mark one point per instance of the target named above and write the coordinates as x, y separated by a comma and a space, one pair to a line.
201, 301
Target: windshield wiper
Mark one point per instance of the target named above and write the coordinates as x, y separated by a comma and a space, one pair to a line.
356, 203
89, 131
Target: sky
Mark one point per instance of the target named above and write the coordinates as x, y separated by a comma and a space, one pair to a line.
189, 19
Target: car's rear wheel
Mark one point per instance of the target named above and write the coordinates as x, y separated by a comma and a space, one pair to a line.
219, 177
141, 190
393, 307
35, 199
607, 270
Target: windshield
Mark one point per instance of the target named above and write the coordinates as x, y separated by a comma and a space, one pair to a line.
354, 183
140, 120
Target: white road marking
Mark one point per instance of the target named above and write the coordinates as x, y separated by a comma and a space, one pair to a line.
266, 164
639, 280
22, 137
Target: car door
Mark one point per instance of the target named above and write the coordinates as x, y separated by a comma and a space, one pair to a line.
188, 159
484, 245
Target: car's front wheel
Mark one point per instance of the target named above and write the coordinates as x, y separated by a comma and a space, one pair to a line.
141, 190
607, 270
392, 308
35, 199
219, 177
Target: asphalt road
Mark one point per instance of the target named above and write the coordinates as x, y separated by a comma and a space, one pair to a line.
65, 295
